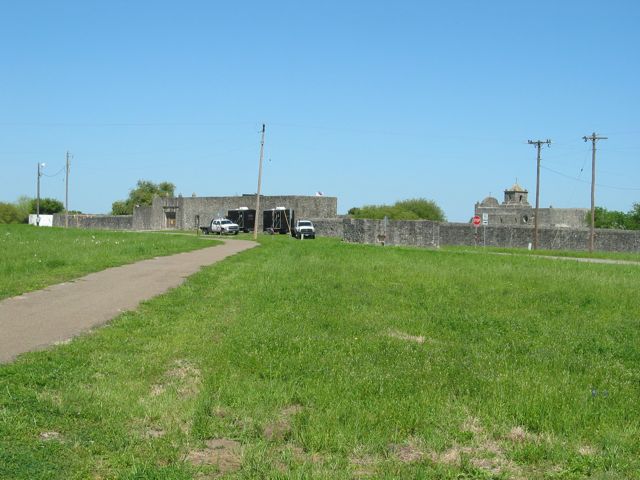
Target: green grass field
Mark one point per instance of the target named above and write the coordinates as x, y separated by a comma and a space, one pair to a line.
319, 359
623, 256
33, 258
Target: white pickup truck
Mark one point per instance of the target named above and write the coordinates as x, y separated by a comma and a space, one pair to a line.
303, 229
221, 226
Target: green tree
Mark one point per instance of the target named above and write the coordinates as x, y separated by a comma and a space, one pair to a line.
412, 209
48, 206
633, 217
424, 209
142, 194
607, 218
615, 219
9, 213
121, 207
23, 204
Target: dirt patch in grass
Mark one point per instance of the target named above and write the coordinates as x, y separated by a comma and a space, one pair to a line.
187, 376
157, 389
183, 375
279, 429
50, 436
53, 397
302, 456
223, 453
220, 412
363, 465
155, 433
408, 452
472, 424
290, 453
483, 452
587, 450
487, 453
520, 435
488, 457
406, 337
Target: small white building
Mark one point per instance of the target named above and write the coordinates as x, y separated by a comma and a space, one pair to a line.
42, 221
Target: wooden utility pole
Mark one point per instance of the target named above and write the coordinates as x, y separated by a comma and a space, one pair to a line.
594, 138
538, 144
66, 194
257, 220
40, 165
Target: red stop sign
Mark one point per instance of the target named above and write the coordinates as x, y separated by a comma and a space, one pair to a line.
476, 221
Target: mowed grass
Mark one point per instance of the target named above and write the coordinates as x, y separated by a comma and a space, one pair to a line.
32, 258
318, 359
622, 256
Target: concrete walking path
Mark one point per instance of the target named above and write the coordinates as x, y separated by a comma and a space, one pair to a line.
35, 320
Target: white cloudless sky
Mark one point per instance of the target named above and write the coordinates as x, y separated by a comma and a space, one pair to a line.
371, 102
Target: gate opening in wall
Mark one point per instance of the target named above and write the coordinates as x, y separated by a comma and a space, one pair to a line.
170, 219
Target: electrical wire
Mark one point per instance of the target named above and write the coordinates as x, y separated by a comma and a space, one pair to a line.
55, 174
586, 181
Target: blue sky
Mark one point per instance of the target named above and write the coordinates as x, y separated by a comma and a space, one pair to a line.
371, 102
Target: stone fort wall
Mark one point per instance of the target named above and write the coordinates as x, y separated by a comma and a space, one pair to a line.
525, 215
187, 213
99, 222
433, 234
322, 211
329, 227
191, 212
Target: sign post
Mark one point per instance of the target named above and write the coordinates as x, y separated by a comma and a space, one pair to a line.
476, 223
485, 222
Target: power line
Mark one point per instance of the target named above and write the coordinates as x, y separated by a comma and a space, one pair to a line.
577, 179
54, 175
122, 124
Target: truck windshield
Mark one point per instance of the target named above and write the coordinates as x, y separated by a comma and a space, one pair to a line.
304, 224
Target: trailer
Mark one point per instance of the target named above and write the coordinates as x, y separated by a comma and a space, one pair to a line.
278, 220
244, 217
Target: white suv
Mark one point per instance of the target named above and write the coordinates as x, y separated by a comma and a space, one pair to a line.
224, 226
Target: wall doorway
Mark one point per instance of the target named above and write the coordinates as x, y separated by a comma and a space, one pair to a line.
170, 219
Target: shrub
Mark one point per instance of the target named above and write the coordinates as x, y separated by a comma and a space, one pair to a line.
412, 209
48, 206
143, 194
9, 213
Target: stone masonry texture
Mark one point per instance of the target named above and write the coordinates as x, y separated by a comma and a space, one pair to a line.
189, 211
185, 213
98, 222
433, 234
